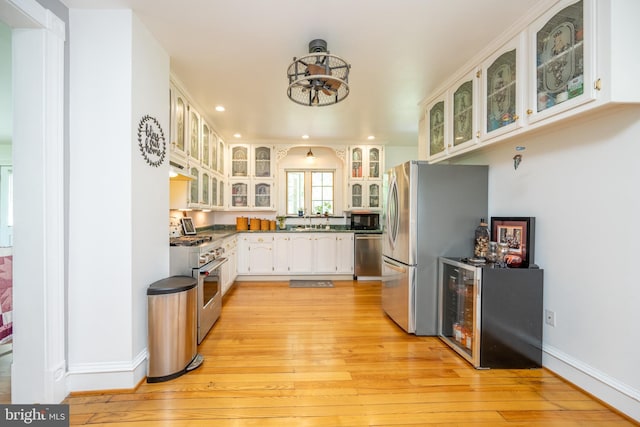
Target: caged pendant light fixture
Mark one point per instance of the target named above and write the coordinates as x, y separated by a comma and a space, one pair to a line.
319, 78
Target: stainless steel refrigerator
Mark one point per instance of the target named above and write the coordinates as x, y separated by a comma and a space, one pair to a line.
431, 211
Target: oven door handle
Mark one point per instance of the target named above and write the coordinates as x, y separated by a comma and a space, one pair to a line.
214, 265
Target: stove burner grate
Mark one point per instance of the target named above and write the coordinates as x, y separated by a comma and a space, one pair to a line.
189, 240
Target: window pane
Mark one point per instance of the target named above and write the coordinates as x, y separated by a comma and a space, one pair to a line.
322, 192
295, 192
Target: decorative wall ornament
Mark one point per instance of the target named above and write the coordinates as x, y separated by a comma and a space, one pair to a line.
341, 153
282, 151
151, 141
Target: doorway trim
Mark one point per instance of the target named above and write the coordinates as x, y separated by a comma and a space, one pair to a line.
38, 371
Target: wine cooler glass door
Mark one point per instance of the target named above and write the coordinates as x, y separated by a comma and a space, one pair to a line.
459, 325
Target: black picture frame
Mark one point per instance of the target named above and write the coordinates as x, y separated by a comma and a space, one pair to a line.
187, 226
519, 233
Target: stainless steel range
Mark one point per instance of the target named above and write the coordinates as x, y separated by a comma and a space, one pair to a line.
201, 257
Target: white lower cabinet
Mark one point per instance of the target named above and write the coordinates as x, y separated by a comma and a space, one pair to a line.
324, 253
345, 253
230, 268
295, 253
301, 253
255, 254
281, 253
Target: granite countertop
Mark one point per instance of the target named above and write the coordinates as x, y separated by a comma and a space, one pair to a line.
226, 231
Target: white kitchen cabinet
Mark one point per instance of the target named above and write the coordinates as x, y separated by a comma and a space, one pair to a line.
251, 178
255, 253
240, 194
214, 191
251, 161
230, 268
463, 98
205, 194
178, 119
364, 194
503, 77
345, 253
562, 47
221, 187
281, 253
194, 131
325, 253
364, 183
436, 114
301, 253
365, 162
239, 160
573, 58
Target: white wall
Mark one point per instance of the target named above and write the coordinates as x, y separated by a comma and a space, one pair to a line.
5, 87
117, 209
150, 196
398, 155
580, 181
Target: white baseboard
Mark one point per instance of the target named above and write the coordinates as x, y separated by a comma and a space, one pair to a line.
610, 390
107, 376
287, 277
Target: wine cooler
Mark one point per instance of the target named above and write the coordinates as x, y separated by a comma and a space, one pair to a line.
491, 316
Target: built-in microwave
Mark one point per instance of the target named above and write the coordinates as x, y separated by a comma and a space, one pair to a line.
365, 221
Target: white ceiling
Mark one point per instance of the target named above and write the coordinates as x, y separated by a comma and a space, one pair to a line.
236, 53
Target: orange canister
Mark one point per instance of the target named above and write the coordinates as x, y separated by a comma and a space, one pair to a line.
272, 224
264, 224
254, 224
242, 223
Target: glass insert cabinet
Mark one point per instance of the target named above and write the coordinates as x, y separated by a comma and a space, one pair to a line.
436, 115
562, 49
365, 162
491, 316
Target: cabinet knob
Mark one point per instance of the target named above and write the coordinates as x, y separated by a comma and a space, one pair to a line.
516, 117
598, 84
529, 111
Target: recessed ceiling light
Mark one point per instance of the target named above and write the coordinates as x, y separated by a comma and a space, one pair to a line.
220, 108
237, 135
371, 137
305, 136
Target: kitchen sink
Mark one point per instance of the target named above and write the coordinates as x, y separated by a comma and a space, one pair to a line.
309, 229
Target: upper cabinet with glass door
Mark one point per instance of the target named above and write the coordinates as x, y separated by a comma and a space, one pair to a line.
252, 176
194, 134
206, 146
553, 69
262, 164
436, 124
255, 161
503, 89
562, 49
178, 122
463, 98
239, 161
366, 166
365, 162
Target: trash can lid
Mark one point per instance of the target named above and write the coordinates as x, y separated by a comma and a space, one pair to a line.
172, 285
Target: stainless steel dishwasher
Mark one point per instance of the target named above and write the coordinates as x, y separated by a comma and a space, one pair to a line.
368, 255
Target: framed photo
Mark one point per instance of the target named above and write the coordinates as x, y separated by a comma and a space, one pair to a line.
187, 226
518, 234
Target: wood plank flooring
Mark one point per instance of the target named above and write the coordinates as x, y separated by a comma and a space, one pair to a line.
330, 357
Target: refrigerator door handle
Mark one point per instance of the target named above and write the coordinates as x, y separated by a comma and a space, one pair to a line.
394, 266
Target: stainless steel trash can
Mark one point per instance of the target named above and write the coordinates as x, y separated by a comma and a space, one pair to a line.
173, 325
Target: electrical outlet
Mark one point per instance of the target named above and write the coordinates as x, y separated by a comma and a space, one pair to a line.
550, 317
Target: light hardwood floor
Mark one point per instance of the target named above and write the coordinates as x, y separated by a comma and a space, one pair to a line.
330, 357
